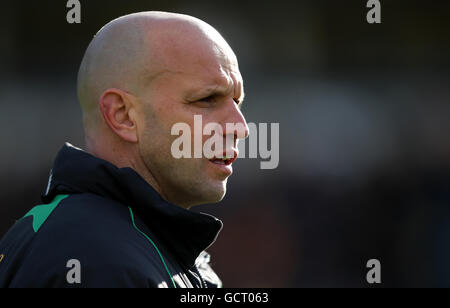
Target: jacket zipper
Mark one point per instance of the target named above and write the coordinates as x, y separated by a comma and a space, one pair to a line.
202, 281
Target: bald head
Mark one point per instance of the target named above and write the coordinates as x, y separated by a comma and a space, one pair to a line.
130, 51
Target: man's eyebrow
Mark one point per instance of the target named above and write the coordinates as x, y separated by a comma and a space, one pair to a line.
216, 90
210, 91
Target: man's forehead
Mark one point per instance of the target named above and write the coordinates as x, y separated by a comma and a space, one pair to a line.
206, 59
184, 46
203, 74
197, 60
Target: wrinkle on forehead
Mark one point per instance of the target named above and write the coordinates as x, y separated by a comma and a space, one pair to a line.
192, 51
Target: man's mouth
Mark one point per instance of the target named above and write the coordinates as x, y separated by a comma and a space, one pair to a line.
226, 161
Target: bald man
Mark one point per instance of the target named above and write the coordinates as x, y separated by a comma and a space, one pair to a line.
116, 214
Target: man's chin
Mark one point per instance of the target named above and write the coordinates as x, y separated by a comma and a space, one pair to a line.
213, 194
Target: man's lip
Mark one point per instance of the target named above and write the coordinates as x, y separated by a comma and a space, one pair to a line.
224, 154
226, 169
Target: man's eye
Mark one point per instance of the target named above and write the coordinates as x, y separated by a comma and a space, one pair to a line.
209, 99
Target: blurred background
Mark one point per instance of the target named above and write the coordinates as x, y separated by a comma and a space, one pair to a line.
364, 113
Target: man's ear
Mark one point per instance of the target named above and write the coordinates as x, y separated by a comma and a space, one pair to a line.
117, 109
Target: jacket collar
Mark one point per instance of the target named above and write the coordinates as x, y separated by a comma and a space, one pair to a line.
186, 233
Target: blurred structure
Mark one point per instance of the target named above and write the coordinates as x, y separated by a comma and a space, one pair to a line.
364, 119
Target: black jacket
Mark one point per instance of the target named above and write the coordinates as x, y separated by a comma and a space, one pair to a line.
114, 224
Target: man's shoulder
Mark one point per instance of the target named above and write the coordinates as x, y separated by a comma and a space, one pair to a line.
94, 231
80, 217
86, 213
87, 224
64, 219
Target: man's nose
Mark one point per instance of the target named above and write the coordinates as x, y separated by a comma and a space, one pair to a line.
235, 123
